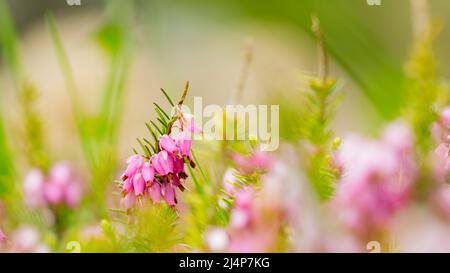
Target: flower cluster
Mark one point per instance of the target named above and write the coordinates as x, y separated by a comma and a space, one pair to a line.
255, 223
60, 187
162, 173
377, 178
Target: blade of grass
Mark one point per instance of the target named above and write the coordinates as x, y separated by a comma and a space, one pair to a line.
71, 88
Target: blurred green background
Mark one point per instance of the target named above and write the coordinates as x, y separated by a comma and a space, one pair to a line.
202, 41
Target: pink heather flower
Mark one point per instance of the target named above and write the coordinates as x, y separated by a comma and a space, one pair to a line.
441, 156
163, 163
138, 184
163, 173
2, 237
61, 186
154, 191
148, 173
135, 162
189, 125
377, 179
168, 144
53, 193
249, 164
179, 147
27, 239
255, 224
442, 200
33, 189
441, 129
168, 192
442, 153
129, 200
445, 117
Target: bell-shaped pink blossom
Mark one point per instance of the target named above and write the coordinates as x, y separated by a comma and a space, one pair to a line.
128, 185
154, 191
163, 163
138, 184
148, 173
169, 194
135, 162
168, 144
129, 200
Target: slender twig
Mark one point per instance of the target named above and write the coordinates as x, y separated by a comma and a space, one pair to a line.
322, 52
248, 56
420, 18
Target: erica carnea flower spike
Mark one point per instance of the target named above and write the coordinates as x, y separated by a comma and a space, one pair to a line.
158, 172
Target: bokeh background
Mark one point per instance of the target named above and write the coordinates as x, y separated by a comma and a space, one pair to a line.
203, 41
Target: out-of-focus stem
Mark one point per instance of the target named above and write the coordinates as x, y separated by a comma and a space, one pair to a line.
322, 52
420, 18
248, 56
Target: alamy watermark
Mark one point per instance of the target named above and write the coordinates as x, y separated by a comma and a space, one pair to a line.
237, 122
373, 2
73, 2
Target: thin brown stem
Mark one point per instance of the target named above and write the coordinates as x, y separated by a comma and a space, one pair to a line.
248, 56
322, 53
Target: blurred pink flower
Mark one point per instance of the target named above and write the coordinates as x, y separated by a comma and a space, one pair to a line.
33, 188
255, 224
377, 179
248, 164
441, 128
440, 159
27, 239
445, 117
61, 186
442, 199
2, 237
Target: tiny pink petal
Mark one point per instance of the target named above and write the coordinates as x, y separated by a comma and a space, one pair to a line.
148, 173
155, 192
138, 184
168, 144
169, 194
129, 200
